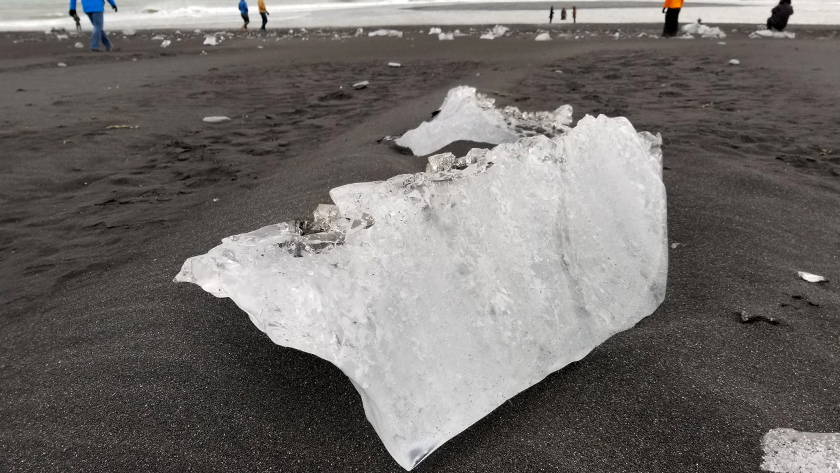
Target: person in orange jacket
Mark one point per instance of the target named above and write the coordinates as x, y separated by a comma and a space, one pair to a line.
671, 9
263, 13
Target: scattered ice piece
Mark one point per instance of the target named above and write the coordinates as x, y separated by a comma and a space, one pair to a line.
747, 318
61, 64
361, 85
78, 45
435, 31
772, 34
165, 43
197, 31
543, 37
396, 33
500, 30
360, 32
61, 37
210, 40
158, 37
703, 31
792, 451
440, 162
215, 199
446, 36
129, 32
811, 277
734, 62
203, 53
215, 119
675, 245
260, 47
394, 64
722, 43
441, 296
488, 36
467, 115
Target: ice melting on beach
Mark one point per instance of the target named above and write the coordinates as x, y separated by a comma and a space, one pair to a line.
210, 40
703, 31
543, 37
791, 451
442, 295
398, 34
469, 116
772, 34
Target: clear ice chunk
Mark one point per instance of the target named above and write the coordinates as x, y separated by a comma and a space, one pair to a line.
442, 295
470, 116
792, 451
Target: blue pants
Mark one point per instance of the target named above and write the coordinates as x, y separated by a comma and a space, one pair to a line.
96, 19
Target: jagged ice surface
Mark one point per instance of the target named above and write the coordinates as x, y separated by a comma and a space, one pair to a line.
470, 116
443, 295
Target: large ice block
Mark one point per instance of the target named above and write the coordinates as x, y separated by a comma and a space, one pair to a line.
469, 116
442, 295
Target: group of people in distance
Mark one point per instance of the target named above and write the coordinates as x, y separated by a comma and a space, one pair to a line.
562, 14
777, 21
243, 9
94, 9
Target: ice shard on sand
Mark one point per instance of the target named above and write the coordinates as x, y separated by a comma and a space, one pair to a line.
441, 295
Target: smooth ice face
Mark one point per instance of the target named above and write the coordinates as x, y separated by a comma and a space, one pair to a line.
791, 451
468, 116
704, 31
442, 295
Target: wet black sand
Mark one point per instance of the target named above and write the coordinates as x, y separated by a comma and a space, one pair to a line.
106, 365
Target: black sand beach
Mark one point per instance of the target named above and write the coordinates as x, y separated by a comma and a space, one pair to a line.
106, 365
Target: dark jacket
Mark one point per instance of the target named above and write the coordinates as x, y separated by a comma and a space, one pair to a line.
780, 16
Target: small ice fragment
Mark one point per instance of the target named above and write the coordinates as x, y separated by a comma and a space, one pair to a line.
61, 64
197, 31
215, 119
78, 45
558, 71
215, 199
488, 36
361, 85
704, 31
446, 37
396, 33
440, 162
165, 43
772, 34
129, 32
734, 62
811, 277
394, 64
260, 47
789, 451
722, 43
360, 32
435, 31
61, 37
675, 245
543, 37
158, 37
211, 40
203, 53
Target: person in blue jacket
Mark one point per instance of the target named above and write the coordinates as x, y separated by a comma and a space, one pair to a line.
95, 11
243, 8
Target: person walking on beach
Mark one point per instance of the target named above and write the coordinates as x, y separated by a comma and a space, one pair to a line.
563, 14
574, 14
263, 13
551, 14
671, 9
780, 15
95, 11
243, 9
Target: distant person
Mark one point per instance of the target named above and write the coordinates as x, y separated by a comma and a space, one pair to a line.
263, 13
551, 14
671, 9
574, 14
243, 9
780, 15
563, 14
95, 11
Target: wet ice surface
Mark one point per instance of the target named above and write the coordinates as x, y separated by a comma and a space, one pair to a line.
443, 294
704, 31
791, 451
469, 116
772, 34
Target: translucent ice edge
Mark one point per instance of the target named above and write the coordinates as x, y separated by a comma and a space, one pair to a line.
791, 451
443, 294
466, 115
